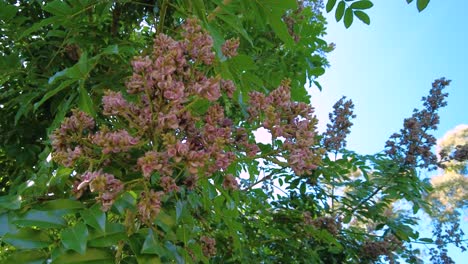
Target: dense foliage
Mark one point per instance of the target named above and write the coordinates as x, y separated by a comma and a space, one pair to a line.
129, 134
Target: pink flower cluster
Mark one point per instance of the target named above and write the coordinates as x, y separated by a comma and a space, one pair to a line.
292, 121
159, 118
114, 142
104, 184
64, 139
149, 205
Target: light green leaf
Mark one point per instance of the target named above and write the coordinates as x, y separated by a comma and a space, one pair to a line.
330, 5
348, 17
75, 238
363, 4
339, 12
61, 204
10, 202
95, 217
422, 4
92, 255
85, 103
27, 257
28, 238
362, 16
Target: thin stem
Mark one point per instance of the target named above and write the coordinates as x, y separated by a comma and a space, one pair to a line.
162, 16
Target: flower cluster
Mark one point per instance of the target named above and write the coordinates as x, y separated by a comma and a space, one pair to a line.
208, 246
229, 48
159, 119
149, 205
328, 223
104, 184
65, 140
372, 250
292, 121
413, 144
334, 139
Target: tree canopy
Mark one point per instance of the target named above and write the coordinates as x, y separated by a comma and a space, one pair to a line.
129, 134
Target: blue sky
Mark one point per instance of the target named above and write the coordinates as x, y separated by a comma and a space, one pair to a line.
386, 68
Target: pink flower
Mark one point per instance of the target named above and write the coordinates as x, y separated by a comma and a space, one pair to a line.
229, 48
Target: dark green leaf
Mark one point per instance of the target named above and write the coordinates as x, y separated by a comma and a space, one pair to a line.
75, 238
43, 219
362, 16
422, 4
7, 11
27, 238
152, 245
348, 17
330, 5
58, 8
95, 217
124, 202
339, 12
426, 240
363, 4
409, 1
54, 91
113, 234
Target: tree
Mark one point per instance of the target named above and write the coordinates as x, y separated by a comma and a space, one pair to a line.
148, 111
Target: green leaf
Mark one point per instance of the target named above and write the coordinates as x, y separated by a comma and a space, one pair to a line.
28, 238
180, 209
92, 255
5, 224
235, 24
61, 204
426, 240
27, 257
49, 94
43, 219
7, 11
422, 4
114, 233
280, 28
10, 202
58, 8
362, 16
339, 12
124, 202
75, 238
95, 217
330, 5
363, 4
39, 25
85, 103
152, 245
409, 1
348, 17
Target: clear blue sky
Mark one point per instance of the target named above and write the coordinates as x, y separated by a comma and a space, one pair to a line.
388, 66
